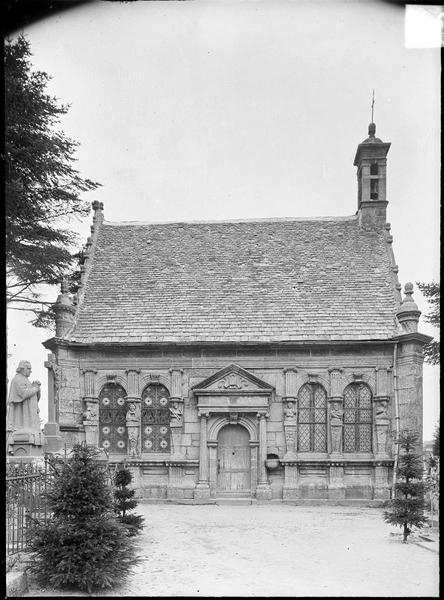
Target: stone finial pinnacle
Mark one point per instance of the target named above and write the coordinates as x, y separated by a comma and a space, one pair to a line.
98, 211
408, 291
408, 313
97, 205
371, 130
64, 310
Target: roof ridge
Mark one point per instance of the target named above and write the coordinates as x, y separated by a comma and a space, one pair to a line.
229, 221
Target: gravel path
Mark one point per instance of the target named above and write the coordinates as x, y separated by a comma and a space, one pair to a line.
273, 550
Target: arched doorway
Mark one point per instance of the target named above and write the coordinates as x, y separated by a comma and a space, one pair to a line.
233, 461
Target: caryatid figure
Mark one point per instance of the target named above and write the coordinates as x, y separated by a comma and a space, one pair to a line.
23, 409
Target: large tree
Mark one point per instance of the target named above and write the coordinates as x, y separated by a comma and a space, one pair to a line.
43, 189
432, 292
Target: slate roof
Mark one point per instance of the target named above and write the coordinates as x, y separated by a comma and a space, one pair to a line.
243, 281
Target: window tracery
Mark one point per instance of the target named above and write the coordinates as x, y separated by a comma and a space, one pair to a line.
156, 433
113, 435
357, 418
312, 418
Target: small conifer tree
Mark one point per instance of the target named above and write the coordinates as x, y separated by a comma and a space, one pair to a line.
125, 501
408, 505
82, 545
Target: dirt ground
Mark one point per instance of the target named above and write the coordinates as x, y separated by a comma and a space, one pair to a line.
273, 550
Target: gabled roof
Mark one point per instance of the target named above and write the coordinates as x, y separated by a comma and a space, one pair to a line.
266, 280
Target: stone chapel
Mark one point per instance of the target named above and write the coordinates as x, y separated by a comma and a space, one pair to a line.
257, 360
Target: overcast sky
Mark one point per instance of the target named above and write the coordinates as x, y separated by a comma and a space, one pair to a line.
222, 110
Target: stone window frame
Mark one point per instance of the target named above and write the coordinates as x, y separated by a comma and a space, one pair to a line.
110, 449
357, 421
166, 423
312, 385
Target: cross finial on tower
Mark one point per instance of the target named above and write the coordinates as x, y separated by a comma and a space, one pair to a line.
373, 104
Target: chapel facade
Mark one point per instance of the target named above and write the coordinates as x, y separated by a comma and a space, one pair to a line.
263, 360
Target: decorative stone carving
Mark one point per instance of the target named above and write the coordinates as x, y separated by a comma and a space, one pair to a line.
290, 426
176, 412
233, 381
290, 413
313, 377
336, 425
133, 427
91, 421
382, 421
381, 410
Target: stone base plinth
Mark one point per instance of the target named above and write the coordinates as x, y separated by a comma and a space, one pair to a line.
26, 444
289, 493
263, 492
202, 491
335, 492
180, 493
382, 493
53, 439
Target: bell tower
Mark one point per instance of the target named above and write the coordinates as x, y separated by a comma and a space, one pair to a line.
371, 162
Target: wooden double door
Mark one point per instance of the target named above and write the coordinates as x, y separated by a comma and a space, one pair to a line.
233, 461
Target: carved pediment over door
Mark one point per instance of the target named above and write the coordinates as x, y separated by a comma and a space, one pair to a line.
232, 389
232, 380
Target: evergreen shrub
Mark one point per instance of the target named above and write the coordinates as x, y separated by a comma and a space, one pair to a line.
406, 509
124, 501
82, 545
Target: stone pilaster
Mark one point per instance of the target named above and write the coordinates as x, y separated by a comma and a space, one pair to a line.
176, 411
290, 412
133, 416
91, 413
409, 381
336, 424
336, 412
202, 491
53, 439
381, 486
336, 487
290, 489
263, 490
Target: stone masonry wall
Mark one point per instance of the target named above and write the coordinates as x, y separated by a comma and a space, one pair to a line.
156, 477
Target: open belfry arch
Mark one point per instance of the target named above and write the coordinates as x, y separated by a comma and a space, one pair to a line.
262, 360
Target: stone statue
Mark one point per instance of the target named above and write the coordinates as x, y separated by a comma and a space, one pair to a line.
132, 423
22, 405
336, 414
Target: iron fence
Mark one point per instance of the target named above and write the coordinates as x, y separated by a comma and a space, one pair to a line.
26, 485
